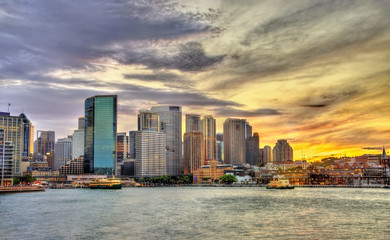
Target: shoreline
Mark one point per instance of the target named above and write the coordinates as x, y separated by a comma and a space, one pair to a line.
4, 190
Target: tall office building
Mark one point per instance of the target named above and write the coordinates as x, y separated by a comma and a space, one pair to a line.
150, 150
148, 120
252, 149
14, 134
45, 142
6, 159
78, 144
81, 123
248, 130
208, 128
282, 152
62, 152
194, 154
170, 124
192, 123
100, 134
131, 145
266, 154
220, 147
234, 131
122, 142
28, 136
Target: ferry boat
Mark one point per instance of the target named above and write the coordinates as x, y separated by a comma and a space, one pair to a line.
280, 183
109, 183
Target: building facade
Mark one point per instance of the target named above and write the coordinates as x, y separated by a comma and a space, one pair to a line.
171, 125
194, 154
63, 152
208, 128
192, 123
6, 160
220, 147
148, 121
234, 131
150, 158
282, 152
100, 134
45, 142
78, 143
212, 171
28, 136
253, 149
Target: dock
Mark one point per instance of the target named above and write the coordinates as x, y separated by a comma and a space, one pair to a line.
21, 189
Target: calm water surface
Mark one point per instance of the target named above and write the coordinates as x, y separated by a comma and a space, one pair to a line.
197, 213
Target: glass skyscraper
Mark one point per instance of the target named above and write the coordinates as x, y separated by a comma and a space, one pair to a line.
100, 134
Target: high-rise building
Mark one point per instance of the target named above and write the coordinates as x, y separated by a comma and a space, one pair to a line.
192, 123
131, 145
45, 142
148, 121
194, 154
248, 130
220, 147
78, 143
170, 124
234, 131
14, 133
282, 151
6, 160
121, 149
150, 158
28, 136
100, 134
252, 149
62, 152
266, 154
208, 128
81, 123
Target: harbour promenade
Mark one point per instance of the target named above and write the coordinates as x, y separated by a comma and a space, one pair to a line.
20, 189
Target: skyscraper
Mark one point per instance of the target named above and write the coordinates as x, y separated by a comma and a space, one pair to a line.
208, 128
170, 124
192, 123
220, 147
282, 152
150, 154
45, 142
14, 133
194, 154
148, 120
78, 143
121, 149
234, 131
252, 149
28, 136
81, 123
63, 152
6, 160
266, 154
100, 134
132, 144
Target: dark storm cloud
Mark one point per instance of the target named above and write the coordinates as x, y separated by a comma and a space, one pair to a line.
39, 36
233, 112
303, 35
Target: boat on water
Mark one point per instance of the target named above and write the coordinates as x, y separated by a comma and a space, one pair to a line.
109, 183
280, 183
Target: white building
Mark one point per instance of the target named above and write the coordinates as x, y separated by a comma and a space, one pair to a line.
62, 152
78, 143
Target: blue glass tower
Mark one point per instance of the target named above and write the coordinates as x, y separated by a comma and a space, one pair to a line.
100, 134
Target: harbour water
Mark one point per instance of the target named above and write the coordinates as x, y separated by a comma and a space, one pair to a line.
197, 213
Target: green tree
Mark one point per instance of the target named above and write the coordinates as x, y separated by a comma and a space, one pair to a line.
228, 178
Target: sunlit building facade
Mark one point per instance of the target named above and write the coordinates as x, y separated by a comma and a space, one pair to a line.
282, 152
100, 134
208, 128
234, 131
148, 121
192, 123
194, 154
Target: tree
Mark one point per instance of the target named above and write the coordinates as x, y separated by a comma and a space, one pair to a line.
228, 178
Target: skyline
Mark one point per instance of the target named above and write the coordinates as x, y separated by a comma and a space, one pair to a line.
313, 72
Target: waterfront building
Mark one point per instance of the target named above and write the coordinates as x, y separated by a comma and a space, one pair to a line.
28, 136
74, 167
131, 145
100, 134
192, 123
252, 149
234, 131
63, 152
171, 125
212, 171
208, 128
220, 147
148, 121
13, 128
78, 143
6, 160
128, 168
282, 152
194, 154
150, 150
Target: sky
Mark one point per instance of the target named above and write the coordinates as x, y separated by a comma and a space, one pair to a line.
313, 72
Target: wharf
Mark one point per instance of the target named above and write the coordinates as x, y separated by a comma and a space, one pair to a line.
20, 189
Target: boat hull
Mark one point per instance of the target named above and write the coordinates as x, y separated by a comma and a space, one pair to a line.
284, 187
115, 186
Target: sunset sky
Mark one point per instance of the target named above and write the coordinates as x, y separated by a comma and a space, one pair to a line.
314, 72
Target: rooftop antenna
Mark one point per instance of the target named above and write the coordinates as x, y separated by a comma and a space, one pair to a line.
9, 104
